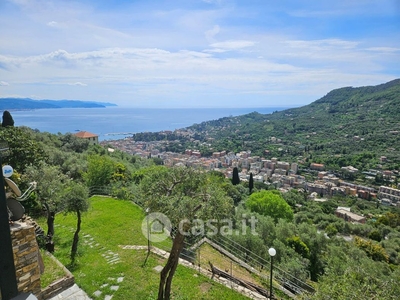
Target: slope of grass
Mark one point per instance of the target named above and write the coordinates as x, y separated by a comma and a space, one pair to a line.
219, 260
100, 262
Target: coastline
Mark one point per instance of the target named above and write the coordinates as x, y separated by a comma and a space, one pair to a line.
118, 122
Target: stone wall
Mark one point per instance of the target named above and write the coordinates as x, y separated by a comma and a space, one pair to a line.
29, 265
26, 258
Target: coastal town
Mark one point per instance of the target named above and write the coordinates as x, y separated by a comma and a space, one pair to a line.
320, 184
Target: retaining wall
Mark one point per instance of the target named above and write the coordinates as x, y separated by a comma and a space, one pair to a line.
29, 265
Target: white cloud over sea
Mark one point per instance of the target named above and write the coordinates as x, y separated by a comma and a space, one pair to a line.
195, 53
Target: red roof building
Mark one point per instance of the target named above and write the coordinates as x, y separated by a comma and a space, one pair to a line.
93, 138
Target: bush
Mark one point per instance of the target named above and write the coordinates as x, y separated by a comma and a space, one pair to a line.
270, 203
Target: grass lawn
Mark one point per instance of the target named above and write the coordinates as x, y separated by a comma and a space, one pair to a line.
103, 268
52, 270
224, 263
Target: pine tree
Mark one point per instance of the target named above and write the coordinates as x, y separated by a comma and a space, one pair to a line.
7, 119
235, 176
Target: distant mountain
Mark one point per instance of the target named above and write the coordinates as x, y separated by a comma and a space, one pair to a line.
27, 103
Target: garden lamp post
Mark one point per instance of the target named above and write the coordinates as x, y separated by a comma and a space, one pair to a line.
272, 253
148, 234
148, 230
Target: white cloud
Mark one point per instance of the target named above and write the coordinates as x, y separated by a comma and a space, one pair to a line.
78, 83
384, 49
230, 46
215, 50
63, 25
344, 55
151, 73
210, 34
322, 44
4, 83
233, 44
189, 51
52, 24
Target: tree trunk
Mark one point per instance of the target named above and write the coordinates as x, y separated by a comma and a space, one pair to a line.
169, 269
74, 248
50, 228
50, 221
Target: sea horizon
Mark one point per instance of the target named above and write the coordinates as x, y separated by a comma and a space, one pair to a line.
113, 123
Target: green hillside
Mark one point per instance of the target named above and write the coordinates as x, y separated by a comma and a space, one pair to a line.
348, 126
336, 257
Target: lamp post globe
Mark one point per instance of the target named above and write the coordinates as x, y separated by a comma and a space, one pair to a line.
272, 253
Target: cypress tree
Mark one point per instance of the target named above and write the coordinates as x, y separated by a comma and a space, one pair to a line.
235, 176
251, 183
7, 119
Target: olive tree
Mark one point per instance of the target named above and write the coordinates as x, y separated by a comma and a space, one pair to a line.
99, 170
23, 149
50, 186
75, 199
184, 195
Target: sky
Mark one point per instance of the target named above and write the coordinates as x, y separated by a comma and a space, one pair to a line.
196, 53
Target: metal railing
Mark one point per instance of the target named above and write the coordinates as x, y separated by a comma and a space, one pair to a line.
100, 190
286, 280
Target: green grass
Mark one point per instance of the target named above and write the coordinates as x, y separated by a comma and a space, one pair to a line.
108, 224
224, 263
52, 270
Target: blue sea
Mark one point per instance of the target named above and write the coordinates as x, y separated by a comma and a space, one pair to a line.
112, 123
